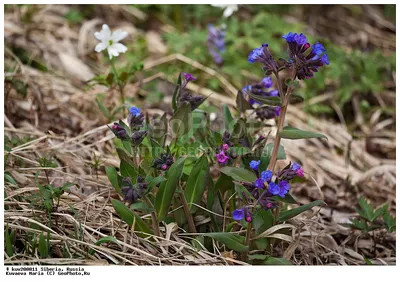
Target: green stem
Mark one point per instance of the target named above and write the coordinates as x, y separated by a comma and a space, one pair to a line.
247, 240
192, 226
120, 86
154, 220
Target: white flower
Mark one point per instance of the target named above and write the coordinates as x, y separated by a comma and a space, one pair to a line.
228, 8
110, 41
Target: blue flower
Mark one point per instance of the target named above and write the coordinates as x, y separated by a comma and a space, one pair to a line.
263, 55
324, 59
266, 175
266, 82
259, 183
289, 37
295, 166
318, 48
134, 111
216, 43
273, 93
273, 188
238, 214
254, 164
278, 111
300, 39
284, 187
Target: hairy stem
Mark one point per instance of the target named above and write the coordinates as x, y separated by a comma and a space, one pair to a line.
192, 226
281, 120
247, 240
154, 220
120, 86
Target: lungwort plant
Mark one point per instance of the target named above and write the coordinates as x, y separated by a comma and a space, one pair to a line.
219, 183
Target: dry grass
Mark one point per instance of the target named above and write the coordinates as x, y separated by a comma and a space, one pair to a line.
64, 122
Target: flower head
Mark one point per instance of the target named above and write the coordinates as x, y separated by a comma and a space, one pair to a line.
267, 112
229, 9
119, 131
133, 192
243, 213
259, 183
138, 136
135, 118
222, 158
266, 175
263, 55
110, 41
135, 111
225, 147
278, 111
194, 100
273, 188
304, 57
299, 170
163, 162
254, 164
284, 187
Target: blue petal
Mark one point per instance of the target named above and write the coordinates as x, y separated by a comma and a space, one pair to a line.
238, 214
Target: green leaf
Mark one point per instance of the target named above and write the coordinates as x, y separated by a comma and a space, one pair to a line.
241, 103
296, 211
257, 257
10, 179
106, 239
276, 261
110, 79
366, 211
267, 100
129, 217
123, 77
232, 241
113, 177
262, 220
390, 221
103, 108
239, 174
197, 182
288, 199
228, 118
224, 183
43, 247
176, 94
296, 98
167, 189
180, 122
8, 244
295, 133
127, 166
153, 181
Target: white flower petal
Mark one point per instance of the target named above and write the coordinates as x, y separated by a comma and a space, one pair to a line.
106, 30
98, 36
120, 48
100, 47
118, 35
229, 10
112, 51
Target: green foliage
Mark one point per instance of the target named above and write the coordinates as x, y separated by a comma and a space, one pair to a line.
368, 218
232, 241
295, 133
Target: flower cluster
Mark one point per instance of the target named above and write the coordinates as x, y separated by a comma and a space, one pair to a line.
304, 57
163, 162
267, 186
135, 121
262, 89
216, 42
132, 192
225, 151
184, 96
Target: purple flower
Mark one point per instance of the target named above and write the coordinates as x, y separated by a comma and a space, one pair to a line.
278, 111
134, 111
273, 188
259, 183
304, 57
298, 169
254, 164
266, 82
119, 131
222, 158
273, 93
188, 76
263, 55
163, 162
216, 43
225, 147
266, 175
238, 214
284, 187
267, 112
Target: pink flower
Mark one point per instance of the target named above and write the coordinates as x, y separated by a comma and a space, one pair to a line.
300, 172
225, 147
164, 167
222, 158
